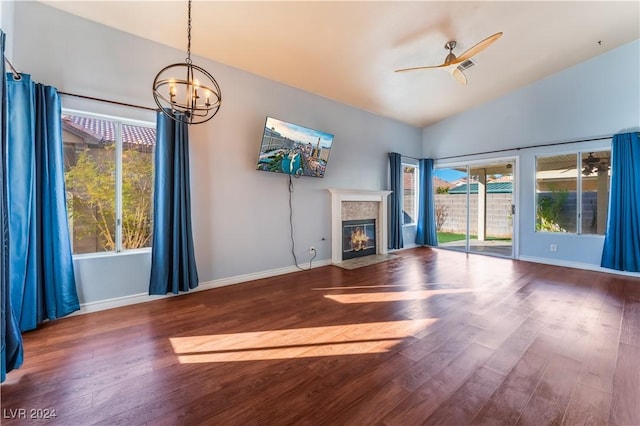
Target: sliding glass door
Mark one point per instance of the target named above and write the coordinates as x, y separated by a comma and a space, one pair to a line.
474, 206
451, 207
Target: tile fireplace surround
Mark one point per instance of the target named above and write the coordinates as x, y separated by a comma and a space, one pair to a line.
341, 200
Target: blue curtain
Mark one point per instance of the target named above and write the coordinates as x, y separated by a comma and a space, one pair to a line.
426, 229
173, 264
622, 240
42, 283
395, 202
10, 338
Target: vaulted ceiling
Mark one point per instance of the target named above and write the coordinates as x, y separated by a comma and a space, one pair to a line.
348, 51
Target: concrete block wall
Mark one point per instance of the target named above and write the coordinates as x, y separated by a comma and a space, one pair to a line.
499, 221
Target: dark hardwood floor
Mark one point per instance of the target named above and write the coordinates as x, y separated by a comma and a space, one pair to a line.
432, 337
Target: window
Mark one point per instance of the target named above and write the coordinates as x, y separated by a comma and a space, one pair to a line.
109, 182
572, 192
409, 194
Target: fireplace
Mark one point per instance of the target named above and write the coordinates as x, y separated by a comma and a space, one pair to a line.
358, 238
358, 205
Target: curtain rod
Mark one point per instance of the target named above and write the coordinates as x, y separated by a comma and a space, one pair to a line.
91, 98
407, 156
14, 71
527, 147
17, 76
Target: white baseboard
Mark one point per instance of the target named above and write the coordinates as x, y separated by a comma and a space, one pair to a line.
133, 299
406, 247
577, 265
116, 302
208, 285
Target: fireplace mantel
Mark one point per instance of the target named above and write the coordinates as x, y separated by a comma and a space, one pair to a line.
340, 195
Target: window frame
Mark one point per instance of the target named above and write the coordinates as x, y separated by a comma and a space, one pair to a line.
579, 186
120, 122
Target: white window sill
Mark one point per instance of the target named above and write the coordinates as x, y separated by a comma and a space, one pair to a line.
111, 254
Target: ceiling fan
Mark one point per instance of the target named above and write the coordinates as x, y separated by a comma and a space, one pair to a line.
452, 61
592, 165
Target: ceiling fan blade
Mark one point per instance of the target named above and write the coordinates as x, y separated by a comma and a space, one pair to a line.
459, 75
477, 48
422, 68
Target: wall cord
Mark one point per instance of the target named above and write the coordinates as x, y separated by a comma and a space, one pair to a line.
291, 229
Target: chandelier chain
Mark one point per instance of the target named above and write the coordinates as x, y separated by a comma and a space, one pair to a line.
188, 60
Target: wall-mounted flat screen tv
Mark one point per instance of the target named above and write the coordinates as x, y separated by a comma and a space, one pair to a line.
293, 149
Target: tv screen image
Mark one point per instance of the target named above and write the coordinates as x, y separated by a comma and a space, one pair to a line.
292, 149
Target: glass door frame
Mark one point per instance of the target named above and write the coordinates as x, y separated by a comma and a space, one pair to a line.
515, 197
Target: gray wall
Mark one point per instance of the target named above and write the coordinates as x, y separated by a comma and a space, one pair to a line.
596, 98
240, 216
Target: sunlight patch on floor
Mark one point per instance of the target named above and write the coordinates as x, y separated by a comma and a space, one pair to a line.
391, 296
346, 339
359, 287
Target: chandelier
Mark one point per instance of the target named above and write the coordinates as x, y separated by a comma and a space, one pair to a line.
186, 92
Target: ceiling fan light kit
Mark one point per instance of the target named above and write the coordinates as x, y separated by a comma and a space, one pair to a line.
452, 61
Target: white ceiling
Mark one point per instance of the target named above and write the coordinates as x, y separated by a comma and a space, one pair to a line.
347, 51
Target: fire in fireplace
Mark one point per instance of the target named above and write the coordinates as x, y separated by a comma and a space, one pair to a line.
358, 238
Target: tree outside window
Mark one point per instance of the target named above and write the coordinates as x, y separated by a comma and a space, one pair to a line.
109, 182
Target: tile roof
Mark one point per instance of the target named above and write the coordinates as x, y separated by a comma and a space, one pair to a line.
492, 188
104, 131
441, 183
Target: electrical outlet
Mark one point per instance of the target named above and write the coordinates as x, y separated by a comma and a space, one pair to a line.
553, 247
312, 251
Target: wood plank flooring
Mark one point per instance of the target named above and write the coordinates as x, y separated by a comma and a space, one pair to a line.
432, 337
